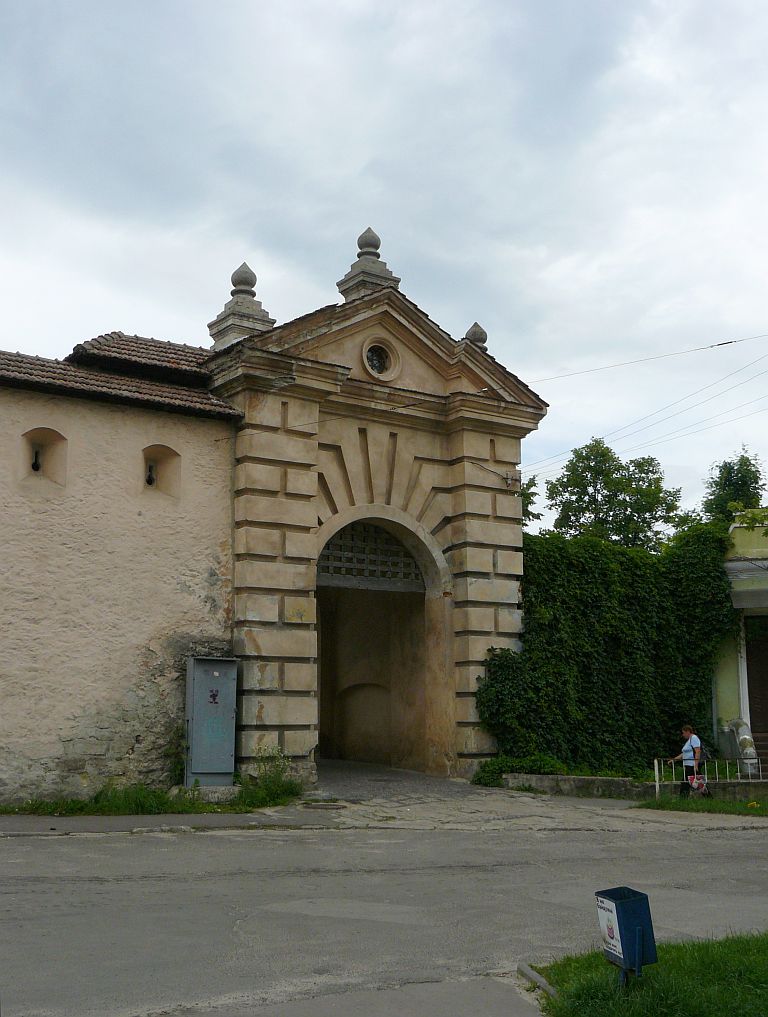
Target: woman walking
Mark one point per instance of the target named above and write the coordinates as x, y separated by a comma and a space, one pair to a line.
690, 756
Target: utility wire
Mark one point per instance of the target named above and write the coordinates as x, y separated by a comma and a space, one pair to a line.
658, 356
675, 435
676, 402
693, 423
690, 395
731, 420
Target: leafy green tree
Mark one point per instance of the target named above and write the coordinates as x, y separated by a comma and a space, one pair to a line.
754, 518
599, 495
528, 495
733, 485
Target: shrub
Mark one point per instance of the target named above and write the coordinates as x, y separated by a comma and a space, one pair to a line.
619, 650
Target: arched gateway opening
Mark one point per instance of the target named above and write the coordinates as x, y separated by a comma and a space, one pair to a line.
383, 684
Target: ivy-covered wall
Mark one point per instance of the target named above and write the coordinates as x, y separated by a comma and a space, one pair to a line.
619, 649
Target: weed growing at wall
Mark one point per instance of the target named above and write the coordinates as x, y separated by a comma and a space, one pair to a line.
271, 785
619, 650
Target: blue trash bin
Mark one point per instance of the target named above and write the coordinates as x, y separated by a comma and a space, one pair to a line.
626, 927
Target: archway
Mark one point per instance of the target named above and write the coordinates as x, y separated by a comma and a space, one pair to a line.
385, 688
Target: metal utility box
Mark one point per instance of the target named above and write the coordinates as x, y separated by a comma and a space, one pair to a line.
626, 927
210, 717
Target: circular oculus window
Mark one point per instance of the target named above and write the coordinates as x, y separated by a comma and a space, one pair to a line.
380, 360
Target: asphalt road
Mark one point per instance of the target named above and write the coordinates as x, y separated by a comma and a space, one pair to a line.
263, 921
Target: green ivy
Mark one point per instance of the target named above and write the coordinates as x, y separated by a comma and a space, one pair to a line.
619, 649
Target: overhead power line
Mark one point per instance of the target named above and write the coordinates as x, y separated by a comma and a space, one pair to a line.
675, 402
699, 430
674, 435
658, 356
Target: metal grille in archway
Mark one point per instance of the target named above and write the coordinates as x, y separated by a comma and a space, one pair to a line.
366, 557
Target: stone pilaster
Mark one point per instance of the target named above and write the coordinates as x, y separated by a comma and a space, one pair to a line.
275, 518
485, 554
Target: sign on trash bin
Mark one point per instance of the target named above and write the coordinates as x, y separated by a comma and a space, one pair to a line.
626, 928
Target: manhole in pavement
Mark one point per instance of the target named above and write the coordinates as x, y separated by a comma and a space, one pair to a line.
324, 805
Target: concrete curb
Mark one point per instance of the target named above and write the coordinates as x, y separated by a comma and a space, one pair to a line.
527, 972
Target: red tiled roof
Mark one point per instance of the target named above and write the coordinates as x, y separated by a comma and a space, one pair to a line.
22, 371
118, 350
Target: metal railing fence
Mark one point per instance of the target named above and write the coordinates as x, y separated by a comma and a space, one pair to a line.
714, 770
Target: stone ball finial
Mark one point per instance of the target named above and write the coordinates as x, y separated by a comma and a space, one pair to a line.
477, 335
368, 243
244, 281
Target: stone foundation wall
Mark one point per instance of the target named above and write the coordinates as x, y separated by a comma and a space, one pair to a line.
580, 787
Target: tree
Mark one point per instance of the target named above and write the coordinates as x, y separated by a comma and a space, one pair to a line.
733, 485
528, 495
599, 495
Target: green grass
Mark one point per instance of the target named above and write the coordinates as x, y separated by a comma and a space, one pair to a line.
674, 803
702, 979
140, 800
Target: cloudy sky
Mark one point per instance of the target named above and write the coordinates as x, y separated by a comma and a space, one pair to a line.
586, 178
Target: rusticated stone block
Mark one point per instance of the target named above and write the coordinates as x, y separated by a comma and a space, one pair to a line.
301, 482
299, 609
508, 563
300, 677
259, 674
269, 575
276, 711
257, 477
257, 607
257, 540
276, 642
466, 709
255, 743
471, 559
299, 743
299, 545
282, 511
474, 619
499, 591
474, 739
276, 447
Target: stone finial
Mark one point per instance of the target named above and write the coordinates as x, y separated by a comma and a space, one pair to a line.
368, 273
244, 281
476, 334
368, 243
243, 314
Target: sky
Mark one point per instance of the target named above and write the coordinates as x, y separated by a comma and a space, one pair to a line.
585, 178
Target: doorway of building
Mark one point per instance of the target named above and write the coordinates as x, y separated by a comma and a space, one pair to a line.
371, 624
756, 635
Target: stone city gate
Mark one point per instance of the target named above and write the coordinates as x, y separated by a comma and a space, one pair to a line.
377, 536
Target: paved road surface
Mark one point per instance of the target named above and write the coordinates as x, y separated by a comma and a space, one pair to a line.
415, 896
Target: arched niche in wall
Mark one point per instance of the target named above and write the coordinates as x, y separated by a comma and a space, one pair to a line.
162, 470
45, 455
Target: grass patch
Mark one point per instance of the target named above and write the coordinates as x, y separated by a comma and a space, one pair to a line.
272, 785
674, 803
703, 979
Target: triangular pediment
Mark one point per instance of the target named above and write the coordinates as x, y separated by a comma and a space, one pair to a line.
385, 339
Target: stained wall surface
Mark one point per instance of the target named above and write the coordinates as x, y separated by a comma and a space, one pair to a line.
107, 585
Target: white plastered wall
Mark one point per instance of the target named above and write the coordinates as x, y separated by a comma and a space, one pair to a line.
106, 586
